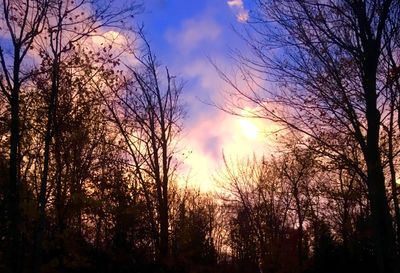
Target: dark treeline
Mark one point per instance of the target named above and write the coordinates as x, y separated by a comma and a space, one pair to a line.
89, 125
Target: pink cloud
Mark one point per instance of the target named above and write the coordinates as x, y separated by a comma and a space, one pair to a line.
222, 134
212, 133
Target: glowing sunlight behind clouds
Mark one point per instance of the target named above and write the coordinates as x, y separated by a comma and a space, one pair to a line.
249, 129
237, 138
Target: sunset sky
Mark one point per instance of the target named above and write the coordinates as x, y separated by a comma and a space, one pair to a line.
185, 35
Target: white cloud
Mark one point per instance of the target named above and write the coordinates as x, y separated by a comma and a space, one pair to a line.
235, 3
242, 14
193, 33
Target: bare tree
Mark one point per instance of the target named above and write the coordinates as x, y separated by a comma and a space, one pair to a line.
258, 204
297, 167
327, 64
148, 115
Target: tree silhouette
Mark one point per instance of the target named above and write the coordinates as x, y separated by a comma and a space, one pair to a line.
327, 63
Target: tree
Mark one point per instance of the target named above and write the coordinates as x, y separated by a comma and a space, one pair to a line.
68, 24
327, 63
192, 231
257, 201
23, 21
148, 115
297, 168
78, 154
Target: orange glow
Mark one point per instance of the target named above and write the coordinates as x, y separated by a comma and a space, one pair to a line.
109, 37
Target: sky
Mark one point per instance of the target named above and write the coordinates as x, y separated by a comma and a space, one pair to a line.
185, 35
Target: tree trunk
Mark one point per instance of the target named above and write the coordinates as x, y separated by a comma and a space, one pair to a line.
382, 220
43, 185
392, 169
164, 232
14, 186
